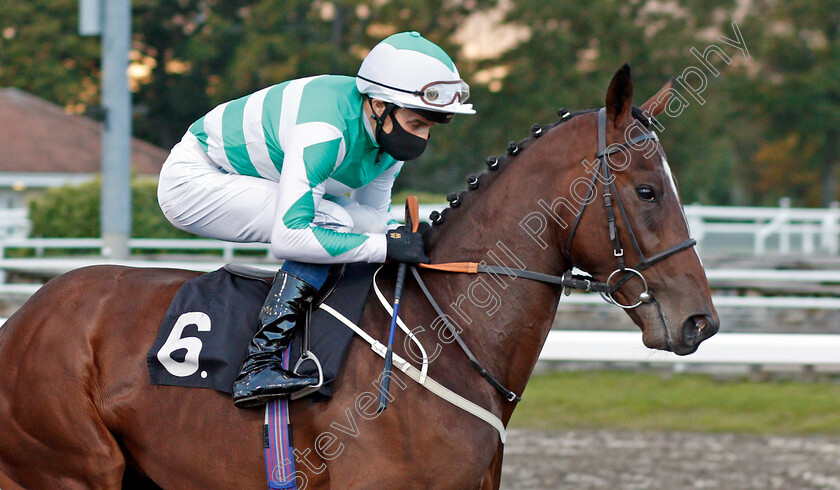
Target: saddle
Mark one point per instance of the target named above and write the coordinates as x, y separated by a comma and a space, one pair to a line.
204, 335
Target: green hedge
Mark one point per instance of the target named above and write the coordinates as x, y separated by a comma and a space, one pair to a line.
73, 212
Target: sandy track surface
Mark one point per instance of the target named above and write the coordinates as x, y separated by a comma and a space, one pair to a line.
666, 460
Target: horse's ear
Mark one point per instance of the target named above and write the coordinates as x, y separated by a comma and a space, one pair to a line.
656, 104
620, 96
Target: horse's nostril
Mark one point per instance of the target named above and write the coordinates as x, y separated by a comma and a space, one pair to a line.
697, 328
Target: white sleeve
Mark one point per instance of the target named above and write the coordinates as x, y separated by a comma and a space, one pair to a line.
312, 152
377, 194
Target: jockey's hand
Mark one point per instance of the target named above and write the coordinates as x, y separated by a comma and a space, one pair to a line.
421, 228
406, 247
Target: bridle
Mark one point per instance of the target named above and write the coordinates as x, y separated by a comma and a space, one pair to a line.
611, 201
611, 197
569, 281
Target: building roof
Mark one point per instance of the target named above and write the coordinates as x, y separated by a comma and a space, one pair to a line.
37, 136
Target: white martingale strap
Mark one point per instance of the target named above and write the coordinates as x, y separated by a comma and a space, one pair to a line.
403, 326
427, 382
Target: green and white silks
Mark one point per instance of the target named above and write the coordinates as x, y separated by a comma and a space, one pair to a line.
310, 137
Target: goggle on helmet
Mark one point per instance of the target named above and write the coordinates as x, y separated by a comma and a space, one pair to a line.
435, 94
438, 94
407, 60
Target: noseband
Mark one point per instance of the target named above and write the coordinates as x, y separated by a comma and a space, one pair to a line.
611, 197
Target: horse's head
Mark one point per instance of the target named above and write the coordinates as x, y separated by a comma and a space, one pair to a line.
605, 206
631, 231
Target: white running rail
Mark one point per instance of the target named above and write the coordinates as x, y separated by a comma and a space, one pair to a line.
744, 230
723, 348
750, 230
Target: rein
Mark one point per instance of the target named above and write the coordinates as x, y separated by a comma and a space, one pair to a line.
569, 281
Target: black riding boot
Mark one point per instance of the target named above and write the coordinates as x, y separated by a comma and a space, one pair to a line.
262, 375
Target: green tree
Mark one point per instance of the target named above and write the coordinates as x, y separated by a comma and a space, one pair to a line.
189, 45
41, 52
793, 93
568, 61
769, 127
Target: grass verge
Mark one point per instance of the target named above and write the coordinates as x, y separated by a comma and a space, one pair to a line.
643, 401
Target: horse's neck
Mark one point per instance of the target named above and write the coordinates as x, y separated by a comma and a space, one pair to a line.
505, 320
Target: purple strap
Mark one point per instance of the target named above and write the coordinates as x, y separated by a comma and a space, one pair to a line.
279, 459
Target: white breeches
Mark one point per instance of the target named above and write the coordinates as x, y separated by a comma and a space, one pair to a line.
199, 197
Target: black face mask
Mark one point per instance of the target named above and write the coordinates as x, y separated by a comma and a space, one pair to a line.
399, 143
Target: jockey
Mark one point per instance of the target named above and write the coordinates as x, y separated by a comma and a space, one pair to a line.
308, 165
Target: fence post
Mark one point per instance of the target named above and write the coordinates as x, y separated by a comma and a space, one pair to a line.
777, 224
2, 256
808, 239
784, 230
829, 239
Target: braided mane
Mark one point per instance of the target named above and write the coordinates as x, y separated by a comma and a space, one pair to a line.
497, 164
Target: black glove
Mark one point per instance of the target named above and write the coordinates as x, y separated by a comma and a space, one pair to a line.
406, 247
421, 228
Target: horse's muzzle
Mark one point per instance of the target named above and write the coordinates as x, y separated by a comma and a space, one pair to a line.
696, 329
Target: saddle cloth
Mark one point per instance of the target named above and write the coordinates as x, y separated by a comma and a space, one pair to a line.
204, 336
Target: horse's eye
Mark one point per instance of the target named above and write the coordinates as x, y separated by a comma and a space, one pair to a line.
645, 193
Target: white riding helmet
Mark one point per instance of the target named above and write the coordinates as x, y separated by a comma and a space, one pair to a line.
411, 71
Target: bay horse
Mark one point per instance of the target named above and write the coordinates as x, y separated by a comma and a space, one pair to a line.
77, 409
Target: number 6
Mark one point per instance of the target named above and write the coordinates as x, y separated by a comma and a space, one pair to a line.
189, 365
